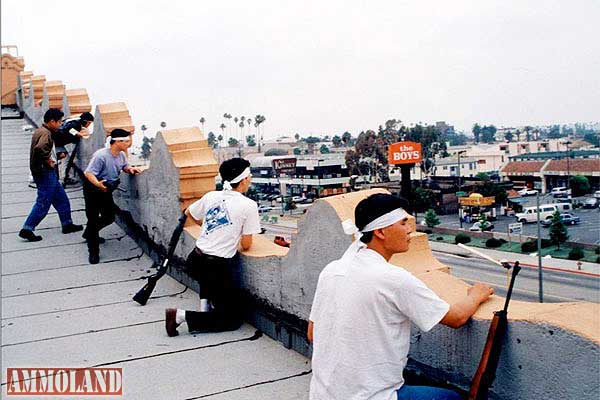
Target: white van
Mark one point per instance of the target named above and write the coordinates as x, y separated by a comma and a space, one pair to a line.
529, 214
564, 207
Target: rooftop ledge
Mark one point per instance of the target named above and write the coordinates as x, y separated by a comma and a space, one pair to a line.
541, 340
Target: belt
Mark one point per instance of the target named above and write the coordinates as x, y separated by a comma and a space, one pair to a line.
208, 256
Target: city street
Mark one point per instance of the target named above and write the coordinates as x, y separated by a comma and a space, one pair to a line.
558, 286
587, 231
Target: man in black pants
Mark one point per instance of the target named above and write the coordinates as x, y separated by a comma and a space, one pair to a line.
102, 178
71, 132
228, 219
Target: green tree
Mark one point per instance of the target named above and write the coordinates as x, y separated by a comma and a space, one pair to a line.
483, 221
297, 151
233, 142
488, 134
297, 136
423, 199
476, 132
276, 152
324, 149
558, 231
347, 139
580, 185
212, 139
337, 141
220, 139
431, 219
483, 176
508, 135
592, 138
250, 140
457, 139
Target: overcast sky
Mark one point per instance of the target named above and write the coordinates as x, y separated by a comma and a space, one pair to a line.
320, 67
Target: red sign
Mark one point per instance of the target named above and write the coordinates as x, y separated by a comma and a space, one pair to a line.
404, 153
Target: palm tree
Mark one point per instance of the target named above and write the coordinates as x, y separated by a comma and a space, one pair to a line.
163, 124
202, 121
259, 119
226, 116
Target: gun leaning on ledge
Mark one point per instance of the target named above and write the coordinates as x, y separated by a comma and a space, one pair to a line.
144, 293
486, 372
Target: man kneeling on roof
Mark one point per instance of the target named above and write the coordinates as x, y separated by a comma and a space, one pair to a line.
363, 308
228, 219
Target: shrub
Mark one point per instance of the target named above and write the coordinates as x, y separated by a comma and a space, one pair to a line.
428, 231
597, 250
493, 243
462, 238
598, 260
576, 253
546, 243
503, 241
529, 246
439, 238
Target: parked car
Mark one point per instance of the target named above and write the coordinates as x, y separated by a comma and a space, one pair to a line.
264, 209
527, 192
566, 218
479, 227
280, 240
529, 214
597, 194
297, 199
560, 191
591, 202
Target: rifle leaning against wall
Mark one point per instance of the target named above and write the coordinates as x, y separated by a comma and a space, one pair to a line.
144, 293
486, 372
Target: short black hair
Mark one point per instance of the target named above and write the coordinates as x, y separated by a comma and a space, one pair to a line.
373, 207
53, 114
86, 116
232, 168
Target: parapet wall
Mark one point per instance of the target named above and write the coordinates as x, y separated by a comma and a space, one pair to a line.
550, 351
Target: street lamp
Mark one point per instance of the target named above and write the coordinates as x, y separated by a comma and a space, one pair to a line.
567, 143
460, 218
319, 178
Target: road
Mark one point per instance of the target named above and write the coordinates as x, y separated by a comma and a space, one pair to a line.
558, 286
588, 231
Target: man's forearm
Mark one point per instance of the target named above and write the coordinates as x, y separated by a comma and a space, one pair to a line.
92, 178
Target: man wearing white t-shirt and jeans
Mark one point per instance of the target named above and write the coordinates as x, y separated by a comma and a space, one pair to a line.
228, 219
363, 309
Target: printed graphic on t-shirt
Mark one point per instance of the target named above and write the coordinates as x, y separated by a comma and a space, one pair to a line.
217, 217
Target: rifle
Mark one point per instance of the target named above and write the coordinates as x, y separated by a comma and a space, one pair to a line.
144, 293
486, 372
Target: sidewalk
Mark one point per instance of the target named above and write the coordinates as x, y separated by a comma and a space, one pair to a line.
524, 259
60, 311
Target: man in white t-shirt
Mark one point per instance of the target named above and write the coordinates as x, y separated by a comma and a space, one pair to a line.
228, 220
364, 306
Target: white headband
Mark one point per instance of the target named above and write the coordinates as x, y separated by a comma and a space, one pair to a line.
384, 221
244, 174
120, 139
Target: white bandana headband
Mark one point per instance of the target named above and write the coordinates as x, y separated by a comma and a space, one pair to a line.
243, 175
378, 223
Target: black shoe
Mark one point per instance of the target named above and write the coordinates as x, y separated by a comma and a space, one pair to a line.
94, 258
71, 228
171, 322
29, 235
101, 240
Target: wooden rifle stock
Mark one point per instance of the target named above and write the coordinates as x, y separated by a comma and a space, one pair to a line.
486, 372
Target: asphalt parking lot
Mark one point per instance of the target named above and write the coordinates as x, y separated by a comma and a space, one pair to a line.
587, 231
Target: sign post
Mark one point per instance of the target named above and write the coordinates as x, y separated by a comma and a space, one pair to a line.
405, 154
515, 229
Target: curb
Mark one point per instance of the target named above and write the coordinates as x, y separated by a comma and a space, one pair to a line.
532, 265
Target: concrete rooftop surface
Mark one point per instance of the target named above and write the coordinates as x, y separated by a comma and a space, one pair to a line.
60, 311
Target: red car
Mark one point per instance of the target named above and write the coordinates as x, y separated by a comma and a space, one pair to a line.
280, 240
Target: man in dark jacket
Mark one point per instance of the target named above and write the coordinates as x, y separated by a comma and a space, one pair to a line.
42, 163
70, 132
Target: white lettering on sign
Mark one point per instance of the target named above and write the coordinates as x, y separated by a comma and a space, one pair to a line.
406, 155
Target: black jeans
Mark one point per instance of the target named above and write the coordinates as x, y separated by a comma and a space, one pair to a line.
100, 211
217, 279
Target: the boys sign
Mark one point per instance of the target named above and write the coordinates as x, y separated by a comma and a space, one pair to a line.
404, 153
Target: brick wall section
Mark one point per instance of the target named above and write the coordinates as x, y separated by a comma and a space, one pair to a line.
77, 102
11, 68
55, 91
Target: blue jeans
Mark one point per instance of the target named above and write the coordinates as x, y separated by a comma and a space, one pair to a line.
426, 393
49, 193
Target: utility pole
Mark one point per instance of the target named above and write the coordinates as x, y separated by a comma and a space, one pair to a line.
460, 187
539, 249
567, 143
